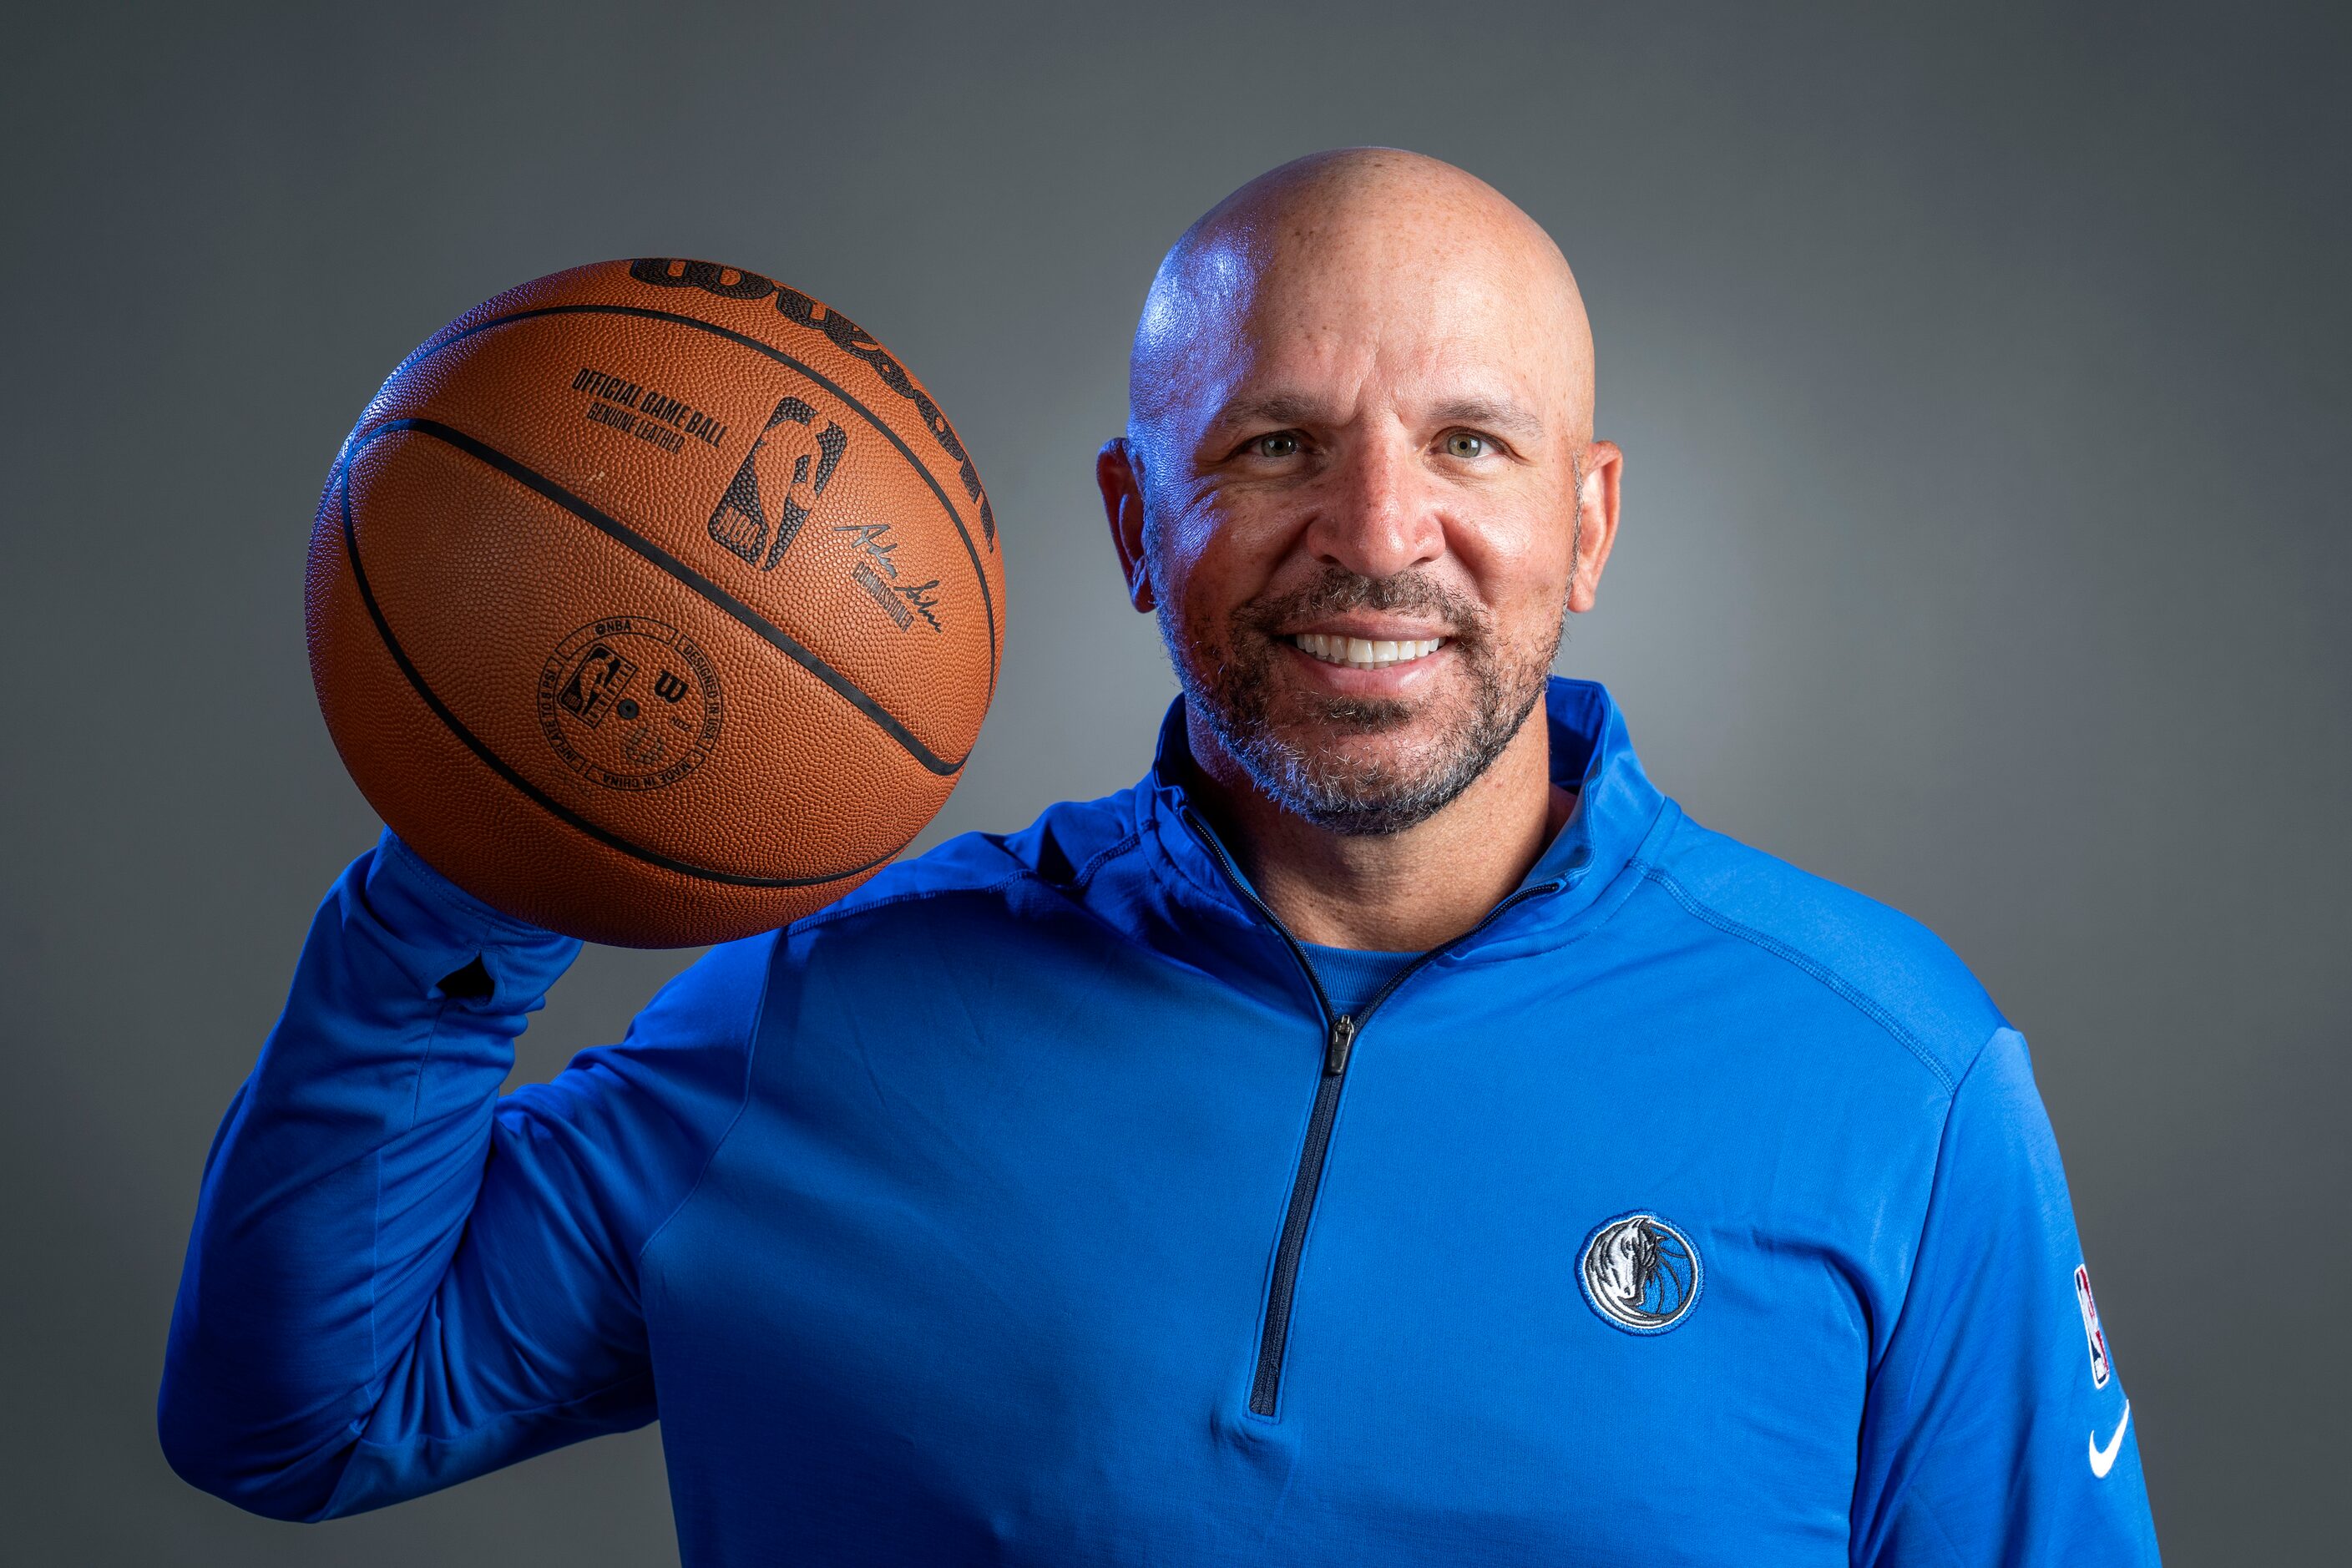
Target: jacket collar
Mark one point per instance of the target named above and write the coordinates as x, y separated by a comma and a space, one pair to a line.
1619, 818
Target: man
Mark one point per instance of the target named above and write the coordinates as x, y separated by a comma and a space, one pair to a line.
1392, 1133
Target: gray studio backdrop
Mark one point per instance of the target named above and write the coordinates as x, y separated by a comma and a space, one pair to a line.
1982, 374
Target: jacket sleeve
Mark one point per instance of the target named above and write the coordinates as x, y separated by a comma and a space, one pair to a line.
397, 1279
1996, 1429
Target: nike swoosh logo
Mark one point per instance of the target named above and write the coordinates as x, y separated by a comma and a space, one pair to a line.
2104, 1460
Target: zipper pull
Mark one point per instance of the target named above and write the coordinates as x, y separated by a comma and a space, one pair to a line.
1342, 1040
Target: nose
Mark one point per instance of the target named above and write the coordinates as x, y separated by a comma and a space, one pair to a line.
1375, 514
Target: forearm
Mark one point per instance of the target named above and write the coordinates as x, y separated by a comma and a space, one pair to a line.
341, 1181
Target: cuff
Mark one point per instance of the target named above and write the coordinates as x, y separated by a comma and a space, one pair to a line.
443, 928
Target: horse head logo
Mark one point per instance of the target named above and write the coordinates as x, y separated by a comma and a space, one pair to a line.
1640, 1273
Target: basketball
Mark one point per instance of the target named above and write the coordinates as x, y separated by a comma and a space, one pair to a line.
655, 603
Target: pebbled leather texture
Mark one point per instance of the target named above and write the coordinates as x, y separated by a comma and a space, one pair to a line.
655, 603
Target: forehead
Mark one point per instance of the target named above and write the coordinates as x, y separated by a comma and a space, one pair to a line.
1405, 316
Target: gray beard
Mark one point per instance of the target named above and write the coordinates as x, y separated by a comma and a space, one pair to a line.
1233, 699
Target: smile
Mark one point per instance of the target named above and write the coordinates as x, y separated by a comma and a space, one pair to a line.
1360, 653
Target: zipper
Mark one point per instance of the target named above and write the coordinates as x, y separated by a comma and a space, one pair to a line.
1341, 1031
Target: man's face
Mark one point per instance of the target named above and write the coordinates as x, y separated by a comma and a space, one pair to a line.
1362, 513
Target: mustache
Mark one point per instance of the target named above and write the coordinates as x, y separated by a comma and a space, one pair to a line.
1337, 589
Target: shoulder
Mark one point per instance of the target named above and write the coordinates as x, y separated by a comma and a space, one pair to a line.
1889, 969
713, 998
688, 1050
1057, 854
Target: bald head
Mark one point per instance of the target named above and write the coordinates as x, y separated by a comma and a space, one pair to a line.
1386, 254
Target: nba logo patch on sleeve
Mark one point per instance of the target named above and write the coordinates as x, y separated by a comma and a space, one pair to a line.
2091, 1330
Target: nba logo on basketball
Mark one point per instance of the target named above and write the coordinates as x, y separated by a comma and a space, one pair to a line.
781, 467
601, 676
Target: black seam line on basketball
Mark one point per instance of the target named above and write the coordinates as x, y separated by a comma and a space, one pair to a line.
621, 532
987, 600
498, 764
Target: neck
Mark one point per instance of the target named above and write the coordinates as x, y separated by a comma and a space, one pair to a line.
1395, 892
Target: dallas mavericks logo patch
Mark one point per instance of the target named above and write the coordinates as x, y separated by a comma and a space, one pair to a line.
1640, 1273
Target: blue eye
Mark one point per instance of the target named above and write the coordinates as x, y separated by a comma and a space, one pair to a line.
1461, 444
1281, 444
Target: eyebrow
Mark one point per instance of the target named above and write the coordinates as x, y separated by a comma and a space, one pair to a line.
1280, 408
1269, 408
1494, 413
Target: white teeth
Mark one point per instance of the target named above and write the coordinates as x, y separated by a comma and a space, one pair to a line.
1361, 654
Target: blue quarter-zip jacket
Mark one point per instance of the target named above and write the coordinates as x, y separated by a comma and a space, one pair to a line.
1039, 1203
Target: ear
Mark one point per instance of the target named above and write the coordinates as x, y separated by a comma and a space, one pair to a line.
1596, 521
1122, 496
